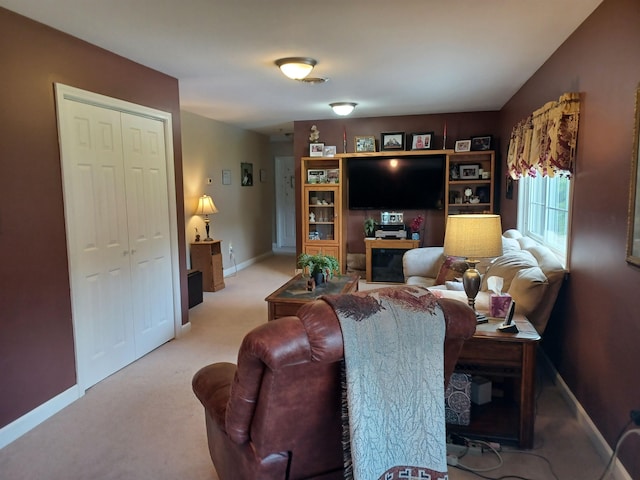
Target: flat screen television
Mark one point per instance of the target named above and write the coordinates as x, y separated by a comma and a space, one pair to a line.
415, 183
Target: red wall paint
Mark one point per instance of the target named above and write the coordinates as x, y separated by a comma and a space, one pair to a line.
36, 335
593, 335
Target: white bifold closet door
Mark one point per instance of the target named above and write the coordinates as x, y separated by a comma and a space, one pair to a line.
117, 219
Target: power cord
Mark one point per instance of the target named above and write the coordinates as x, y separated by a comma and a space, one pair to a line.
624, 433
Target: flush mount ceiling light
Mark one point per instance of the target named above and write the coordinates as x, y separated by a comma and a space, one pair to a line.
296, 68
343, 108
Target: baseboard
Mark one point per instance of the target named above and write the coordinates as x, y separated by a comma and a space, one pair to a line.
241, 266
618, 471
35, 417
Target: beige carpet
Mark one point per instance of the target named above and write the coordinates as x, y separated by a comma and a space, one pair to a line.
144, 422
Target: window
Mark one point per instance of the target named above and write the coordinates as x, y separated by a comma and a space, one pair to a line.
543, 211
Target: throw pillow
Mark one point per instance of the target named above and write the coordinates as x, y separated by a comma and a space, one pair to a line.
451, 268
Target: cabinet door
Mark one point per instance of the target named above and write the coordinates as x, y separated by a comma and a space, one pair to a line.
321, 214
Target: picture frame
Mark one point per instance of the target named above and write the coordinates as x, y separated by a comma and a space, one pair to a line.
246, 170
633, 236
316, 149
469, 172
226, 177
421, 141
390, 141
333, 175
316, 175
364, 144
462, 146
329, 151
481, 143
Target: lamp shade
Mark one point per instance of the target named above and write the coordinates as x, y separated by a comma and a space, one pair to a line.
473, 236
296, 68
343, 108
205, 206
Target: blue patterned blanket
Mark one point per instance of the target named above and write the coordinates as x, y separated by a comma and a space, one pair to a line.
394, 363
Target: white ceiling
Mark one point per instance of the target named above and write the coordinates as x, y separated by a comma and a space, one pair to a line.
391, 57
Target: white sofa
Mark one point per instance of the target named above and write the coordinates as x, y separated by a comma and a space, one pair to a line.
532, 275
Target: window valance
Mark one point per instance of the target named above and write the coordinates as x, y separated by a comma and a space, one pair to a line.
545, 142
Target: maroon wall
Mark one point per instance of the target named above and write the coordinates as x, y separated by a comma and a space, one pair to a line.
36, 334
593, 336
459, 126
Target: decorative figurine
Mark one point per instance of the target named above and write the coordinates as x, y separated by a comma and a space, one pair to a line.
197, 235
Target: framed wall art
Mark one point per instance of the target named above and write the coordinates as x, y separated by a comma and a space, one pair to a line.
462, 146
365, 144
247, 174
392, 141
481, 143
421, 141
633, 241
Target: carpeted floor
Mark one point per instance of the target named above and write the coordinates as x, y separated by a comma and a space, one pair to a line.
144, 422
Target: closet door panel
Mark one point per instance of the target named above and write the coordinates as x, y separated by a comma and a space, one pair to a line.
149, 236
95, 211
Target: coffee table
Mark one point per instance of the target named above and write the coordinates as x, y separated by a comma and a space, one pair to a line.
292, 295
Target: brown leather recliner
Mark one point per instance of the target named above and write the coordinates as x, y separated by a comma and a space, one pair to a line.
277, 414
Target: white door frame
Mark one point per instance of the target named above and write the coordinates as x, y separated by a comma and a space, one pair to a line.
66, 92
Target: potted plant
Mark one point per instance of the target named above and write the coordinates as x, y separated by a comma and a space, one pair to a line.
369, 227
321, 267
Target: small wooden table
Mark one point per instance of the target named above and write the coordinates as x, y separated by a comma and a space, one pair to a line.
399, 246
508, 356
292, 295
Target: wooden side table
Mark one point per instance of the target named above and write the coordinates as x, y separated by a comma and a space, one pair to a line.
512, 357
207, 257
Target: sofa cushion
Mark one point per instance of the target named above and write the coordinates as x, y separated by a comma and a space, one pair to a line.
451, 268
507, 266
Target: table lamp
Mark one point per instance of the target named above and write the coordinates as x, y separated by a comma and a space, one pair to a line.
473, 237
206, 207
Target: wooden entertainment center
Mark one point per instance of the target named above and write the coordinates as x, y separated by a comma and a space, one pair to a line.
468, 188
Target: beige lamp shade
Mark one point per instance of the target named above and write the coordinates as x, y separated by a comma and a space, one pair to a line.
205, 206
473, 236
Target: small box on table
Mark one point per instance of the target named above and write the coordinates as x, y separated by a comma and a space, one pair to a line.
499, 305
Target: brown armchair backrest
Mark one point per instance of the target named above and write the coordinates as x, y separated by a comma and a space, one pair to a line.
285, 396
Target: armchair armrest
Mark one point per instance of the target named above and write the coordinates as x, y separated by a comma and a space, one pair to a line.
422, 262
212, 386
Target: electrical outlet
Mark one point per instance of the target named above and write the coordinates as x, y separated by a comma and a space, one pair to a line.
230, 250
209, 181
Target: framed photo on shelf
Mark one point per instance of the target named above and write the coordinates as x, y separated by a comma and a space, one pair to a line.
316, 176
469, 172
462, 145
421, 141
481, 143
365, 144
329, 151
392, 141
316, 149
